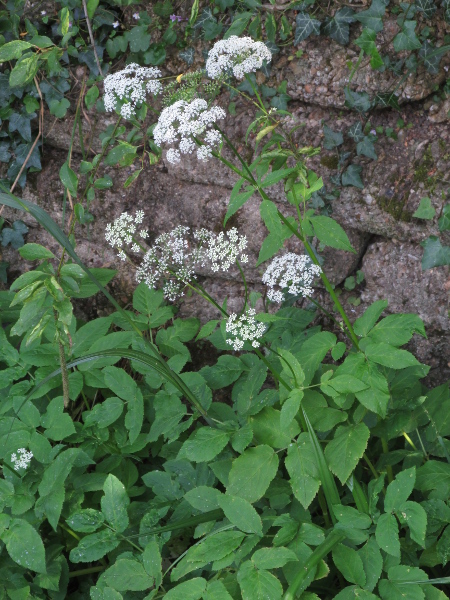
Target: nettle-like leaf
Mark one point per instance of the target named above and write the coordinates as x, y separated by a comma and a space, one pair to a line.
345, 450
338, 28
305, 26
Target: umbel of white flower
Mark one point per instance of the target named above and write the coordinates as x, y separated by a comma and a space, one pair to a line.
292, 273
132, 85
236, 56
23, 460
223, 252
183, 121
120, 233
244, 329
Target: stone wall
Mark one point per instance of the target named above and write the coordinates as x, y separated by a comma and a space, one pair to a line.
378, 219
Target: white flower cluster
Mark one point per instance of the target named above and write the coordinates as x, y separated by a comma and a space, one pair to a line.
132, 85
183, 121
290, 272
121, 231
23, 460
244, 329
171, 259
237, 56
223, 252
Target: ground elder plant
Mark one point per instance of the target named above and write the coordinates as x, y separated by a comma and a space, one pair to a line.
300, 463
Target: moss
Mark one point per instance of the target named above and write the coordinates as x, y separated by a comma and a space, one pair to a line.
395, 207
442, 145
422, 170
330, 162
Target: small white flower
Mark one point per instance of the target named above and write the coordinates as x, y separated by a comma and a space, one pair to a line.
223, 252
292, 273
244, 329
120, 233
184, 122
43, 12
23, 460
116, 24
131, 85
136, 16
236, 56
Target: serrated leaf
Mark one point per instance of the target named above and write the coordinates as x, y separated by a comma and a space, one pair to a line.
397, 330
305, 26
416, 519
205, 444
389, 356
252, 472
331, 233
35, 252
236, 202
365, 323
273, 558
302, 468
241, 513
86, 520
24, 545
386, 534
94, 546
398, 586
345, 450
349, 563
114, 503
128, 575
258, 585
372, 562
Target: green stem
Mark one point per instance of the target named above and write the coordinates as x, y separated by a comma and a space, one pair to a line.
87, 571
311, 563
359, 497
370, 465
64, 375
245, 285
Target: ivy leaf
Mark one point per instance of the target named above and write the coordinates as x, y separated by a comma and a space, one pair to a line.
346, 448
366, 42
431, 57
387, 99
333, 139
352, 176
338, 27
187, 55
371, 17
355, 132
425, 209
366, 148
305, 26
444, 221
428, 7
407, 39
386, 534
434, 255
21, 123
14, 235
358, 101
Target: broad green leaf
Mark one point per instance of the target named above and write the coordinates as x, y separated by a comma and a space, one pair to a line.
313, 351
128, 575
365, 323
305, 26
427, 7
269, 214
425, 209
302, 468
189, 590
338, 27
271, 179
333, 139
151, 560
86, 520
56, 474
434, 254
13, 50
365, 146
237, 199
349, 564
343, 384
398, 586
88, 334
146, 300
216, 546
126, 388
372, 562
331, 233
252, 472
273, 558
372, 17
434, 475
94, 546
366, 42
376, 396
24, 545
399, 490
169, 411
290, 408
266, 426
203, 498
386, 534
416, 518
258, 585
345, 450
241, 513
238, 25
104, 414
224, 372
354, 592
444, 220
69, 178
351, 517
407, 38
35, 252
352, 176
205, 444
389, 356
443, 546
397, 330
114, 503
216, 591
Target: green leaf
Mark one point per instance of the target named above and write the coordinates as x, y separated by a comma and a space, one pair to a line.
386, 534
366, 42
365, 323
267, 429
56, 474
237, 200
352, 176
349, 564
189, 590
443, 546
352, 592
427, 7
313, 351
41, 41
435, 254
416, 518
224, 372
24, 71
305, 26
273, 558
359, 101
333, 139
24, 545
35, 252
407, 38
346, 448
139, 39
331, 233
302, 468
351, 517
389, 356
258, 585
425, 209
215, 547
290, 408
338, 27
252, 472
366, 148
372, 562
399, 587
205, 444
88, 288
216, 590
128, 575
399, 490
114, 503
269, 214
86, 520
372, 17
104, 414
444, 221
203, 498
94, 546
126, 388
151, 559
397, 330
241, 514
238, 25
13, 50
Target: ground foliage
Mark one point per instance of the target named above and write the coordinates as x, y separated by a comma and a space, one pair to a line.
308, 468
